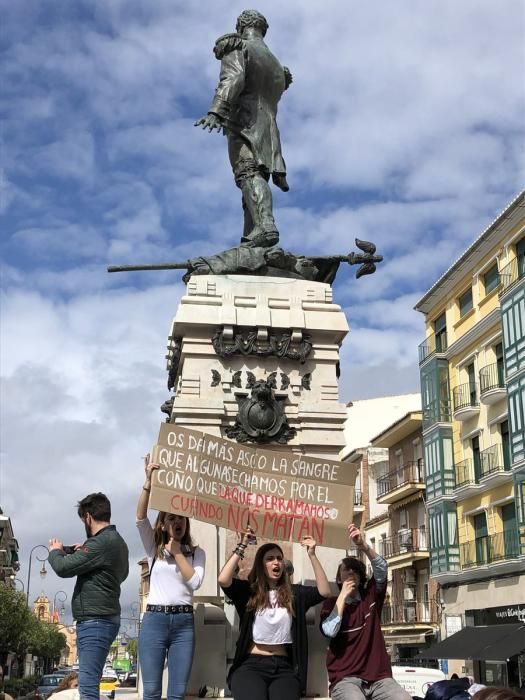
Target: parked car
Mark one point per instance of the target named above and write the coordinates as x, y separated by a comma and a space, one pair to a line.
108, 686
416, 680
48, 684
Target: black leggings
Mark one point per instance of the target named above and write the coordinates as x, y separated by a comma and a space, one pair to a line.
265, 678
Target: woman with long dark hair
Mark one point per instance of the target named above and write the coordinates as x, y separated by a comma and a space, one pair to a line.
271, 657
176, 568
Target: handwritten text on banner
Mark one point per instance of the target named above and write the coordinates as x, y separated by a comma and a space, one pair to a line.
286, 495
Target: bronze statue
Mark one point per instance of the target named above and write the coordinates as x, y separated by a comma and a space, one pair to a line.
245, 107
270, 262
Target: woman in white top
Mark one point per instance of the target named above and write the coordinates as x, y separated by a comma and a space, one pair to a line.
271, 656
176, 570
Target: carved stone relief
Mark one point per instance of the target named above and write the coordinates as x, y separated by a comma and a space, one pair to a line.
247, 342
261, 418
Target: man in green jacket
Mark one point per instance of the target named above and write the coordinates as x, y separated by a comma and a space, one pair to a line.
100, 565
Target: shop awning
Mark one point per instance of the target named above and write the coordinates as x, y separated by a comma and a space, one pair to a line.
493, 642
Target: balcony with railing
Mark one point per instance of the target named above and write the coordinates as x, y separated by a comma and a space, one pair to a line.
494, 465
410, 612
511, 273
467, 474
490, 549
432, 344
408, 545
466, 401
492, 383
401, 482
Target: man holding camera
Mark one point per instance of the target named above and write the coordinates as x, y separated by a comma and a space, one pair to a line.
100, 565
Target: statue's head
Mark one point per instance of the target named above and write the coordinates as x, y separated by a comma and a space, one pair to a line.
306, 268
251, 18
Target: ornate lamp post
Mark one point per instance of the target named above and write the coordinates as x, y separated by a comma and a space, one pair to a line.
43, 571
14, 579
61, 599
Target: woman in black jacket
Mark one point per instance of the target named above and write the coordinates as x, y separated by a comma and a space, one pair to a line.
271, 657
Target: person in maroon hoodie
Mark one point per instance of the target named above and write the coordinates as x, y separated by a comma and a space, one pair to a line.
357, 662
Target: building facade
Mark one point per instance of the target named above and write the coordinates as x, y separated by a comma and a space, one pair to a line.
43, 610
365, 419
9, 564
406, 621
472, 369
411, 612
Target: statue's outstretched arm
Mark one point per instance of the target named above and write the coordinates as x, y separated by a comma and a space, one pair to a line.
211, 121
231, 84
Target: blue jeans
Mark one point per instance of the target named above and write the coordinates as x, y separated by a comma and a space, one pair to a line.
352, 688
164, 634
94, 638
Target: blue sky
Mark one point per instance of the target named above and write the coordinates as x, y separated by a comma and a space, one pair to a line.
404, 126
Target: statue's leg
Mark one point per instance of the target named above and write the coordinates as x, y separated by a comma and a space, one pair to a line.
259, 224
257, 197
248, 221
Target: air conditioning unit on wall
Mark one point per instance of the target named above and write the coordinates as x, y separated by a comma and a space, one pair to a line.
410, 575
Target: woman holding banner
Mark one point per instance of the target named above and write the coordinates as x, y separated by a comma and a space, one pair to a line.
176, 568
271, 657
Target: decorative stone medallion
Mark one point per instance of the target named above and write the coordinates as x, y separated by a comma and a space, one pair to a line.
261, 418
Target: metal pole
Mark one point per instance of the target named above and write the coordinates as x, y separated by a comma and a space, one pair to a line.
137, 268
62, 600
29, 570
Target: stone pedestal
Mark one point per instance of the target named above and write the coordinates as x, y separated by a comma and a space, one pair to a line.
231, 330
235, 308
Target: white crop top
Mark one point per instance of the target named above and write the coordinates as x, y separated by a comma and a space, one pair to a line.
272, 625
166, 586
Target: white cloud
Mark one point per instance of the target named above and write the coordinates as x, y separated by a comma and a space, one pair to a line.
82, 384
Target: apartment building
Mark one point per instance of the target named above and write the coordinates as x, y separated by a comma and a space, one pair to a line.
411, 611
472, 368
9, 564
366, 417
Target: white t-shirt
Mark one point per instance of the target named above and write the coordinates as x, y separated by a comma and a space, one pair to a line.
272, 625
166, 586
67, 694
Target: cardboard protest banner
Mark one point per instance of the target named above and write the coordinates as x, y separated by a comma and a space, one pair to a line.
283, 495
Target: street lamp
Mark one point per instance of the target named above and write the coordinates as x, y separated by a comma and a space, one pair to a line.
61, 600
14, 579
42, 572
